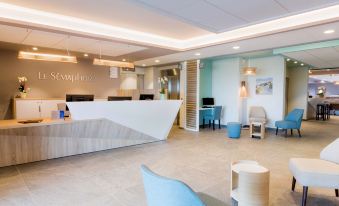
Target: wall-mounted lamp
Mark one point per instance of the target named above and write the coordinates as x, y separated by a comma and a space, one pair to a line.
249, 71
243, 90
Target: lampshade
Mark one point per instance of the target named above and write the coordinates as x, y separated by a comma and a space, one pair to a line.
46, 57
110, 63
243, 90
249, 71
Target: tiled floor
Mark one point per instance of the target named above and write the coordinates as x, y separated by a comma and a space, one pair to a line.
200, 159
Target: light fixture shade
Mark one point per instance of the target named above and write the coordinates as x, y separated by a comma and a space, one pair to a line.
249, 71
47, 57
110, 63
243, 90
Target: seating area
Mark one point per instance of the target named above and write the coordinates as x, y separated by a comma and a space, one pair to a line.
323, 172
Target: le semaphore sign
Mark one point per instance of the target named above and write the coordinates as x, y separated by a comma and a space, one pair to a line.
56, 76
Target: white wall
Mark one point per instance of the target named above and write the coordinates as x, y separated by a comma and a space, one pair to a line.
274, 104
129, 81
297, 89
225, 87
149, 78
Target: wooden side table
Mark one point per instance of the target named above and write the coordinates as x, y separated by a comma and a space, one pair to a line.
260, 126
250, 183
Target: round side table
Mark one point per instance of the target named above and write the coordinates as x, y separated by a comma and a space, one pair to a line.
249, 183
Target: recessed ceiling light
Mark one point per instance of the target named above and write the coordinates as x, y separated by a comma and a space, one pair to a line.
143, 65
322, 81
330, 31
288, 60
302, 64
236, 47
295, 62
35, 48
328, 70
85, 55
197, 54
157, 61
123, 60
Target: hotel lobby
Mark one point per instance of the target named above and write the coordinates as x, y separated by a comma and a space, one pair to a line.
161, 103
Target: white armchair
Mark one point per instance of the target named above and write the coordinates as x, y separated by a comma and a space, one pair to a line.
323, 172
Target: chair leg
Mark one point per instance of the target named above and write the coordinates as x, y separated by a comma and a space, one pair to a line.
285, 132
209, 123
203, 123
336, 193
219, 124
303, 201
299, 132
276, 131
213, 124
293, 183
291, 132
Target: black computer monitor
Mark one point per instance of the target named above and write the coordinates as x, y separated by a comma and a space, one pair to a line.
79, 97
208, 101
116, 98
146, 97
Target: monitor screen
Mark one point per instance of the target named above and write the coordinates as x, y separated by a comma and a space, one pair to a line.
116, 98
208, 101
79, 97
146, 97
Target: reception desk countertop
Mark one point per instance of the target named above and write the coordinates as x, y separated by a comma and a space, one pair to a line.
13, 123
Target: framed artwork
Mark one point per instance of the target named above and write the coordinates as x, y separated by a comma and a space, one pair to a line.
264, 86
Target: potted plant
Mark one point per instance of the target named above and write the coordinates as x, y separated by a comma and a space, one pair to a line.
163, 94
23, 89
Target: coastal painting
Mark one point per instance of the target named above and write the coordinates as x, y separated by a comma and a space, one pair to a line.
264, 86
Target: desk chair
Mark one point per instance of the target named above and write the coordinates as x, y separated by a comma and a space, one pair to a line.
214, 115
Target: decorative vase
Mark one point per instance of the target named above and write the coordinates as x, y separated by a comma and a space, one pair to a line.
163, 96
23, 95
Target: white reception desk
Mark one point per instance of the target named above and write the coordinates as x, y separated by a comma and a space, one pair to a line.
94, 126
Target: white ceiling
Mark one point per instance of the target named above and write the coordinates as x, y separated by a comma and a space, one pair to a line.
319, 58
37, 38
222, 15
295, 37
119, 13
330, 78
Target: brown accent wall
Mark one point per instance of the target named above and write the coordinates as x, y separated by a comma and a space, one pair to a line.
11, 67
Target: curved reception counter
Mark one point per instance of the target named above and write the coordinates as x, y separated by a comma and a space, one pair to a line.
94, 126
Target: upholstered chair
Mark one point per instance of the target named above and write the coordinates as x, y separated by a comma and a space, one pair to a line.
162, 191
323, 172
292, 121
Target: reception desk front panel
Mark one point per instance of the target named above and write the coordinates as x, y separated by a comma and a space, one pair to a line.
95, 126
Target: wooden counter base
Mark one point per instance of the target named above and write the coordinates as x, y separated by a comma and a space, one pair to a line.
29, 144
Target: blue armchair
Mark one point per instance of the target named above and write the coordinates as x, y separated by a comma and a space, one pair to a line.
291, 121
162, 191
214, 115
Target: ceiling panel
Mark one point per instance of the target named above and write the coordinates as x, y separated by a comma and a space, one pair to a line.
326, 54
304, 5
43, 39
208, 16
320, 58
93, 46
251, 11
167, 5
12, 34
